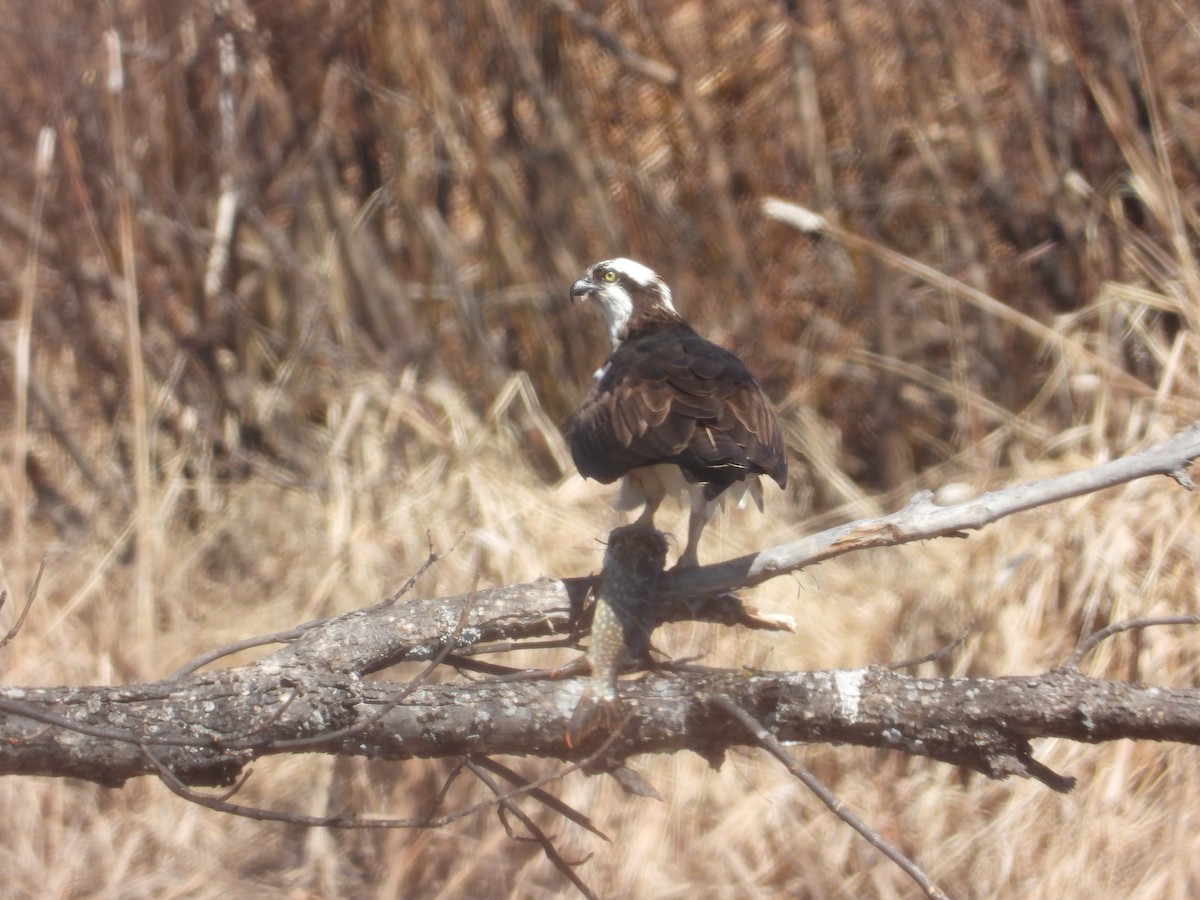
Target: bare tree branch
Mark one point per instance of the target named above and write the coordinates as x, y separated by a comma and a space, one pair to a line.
15, 630
369, 640
1096, 638
206, 727
197, 726
552, 854
771, 744
922, 519
200, 729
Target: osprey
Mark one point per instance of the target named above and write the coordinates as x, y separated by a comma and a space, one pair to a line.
670, 413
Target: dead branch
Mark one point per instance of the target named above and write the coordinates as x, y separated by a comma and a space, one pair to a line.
12, 632
923, 520
772, 745
1094, 640
198, 728
369, 640
309, 696
508, 805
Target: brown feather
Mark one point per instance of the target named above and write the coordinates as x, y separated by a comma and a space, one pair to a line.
669, 396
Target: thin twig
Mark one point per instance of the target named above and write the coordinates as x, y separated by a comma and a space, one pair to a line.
432, 558
539, 795
459, 767
279, 637
217, 803
936, 654
540, 836
768, 742
12, 632
237, 786
1096, 637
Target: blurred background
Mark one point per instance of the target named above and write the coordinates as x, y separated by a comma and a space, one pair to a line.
283, 289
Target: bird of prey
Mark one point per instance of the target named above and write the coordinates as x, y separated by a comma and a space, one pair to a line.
670, 413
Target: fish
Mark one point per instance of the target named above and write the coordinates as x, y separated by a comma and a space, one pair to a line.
623, 618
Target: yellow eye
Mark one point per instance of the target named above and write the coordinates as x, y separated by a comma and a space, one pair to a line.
610, 276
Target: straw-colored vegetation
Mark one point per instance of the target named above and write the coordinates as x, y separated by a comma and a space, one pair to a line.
289, 295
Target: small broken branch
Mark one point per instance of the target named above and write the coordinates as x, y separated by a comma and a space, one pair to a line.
922, 519
768, 742
507, 804
1097, 637
15, 630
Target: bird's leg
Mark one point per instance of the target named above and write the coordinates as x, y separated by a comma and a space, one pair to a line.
696, 521
637, 488
646, 518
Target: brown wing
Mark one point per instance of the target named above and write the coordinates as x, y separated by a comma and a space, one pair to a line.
673, 397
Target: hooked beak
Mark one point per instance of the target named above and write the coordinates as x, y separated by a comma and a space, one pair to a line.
582, 287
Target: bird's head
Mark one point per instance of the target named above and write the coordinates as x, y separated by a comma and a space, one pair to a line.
624, 289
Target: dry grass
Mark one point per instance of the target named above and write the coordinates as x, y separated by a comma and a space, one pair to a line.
384, 354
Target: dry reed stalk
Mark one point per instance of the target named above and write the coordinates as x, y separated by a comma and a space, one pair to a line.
813, 130
1173, 219
218, 274
807, 221
563, 132
22, 354
144, 607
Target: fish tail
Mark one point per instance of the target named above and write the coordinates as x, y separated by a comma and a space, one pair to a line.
597, 710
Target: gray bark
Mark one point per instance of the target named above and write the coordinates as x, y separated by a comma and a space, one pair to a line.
309, 696
208, 727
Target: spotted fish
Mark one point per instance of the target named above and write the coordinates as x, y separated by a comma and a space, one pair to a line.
621, 624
